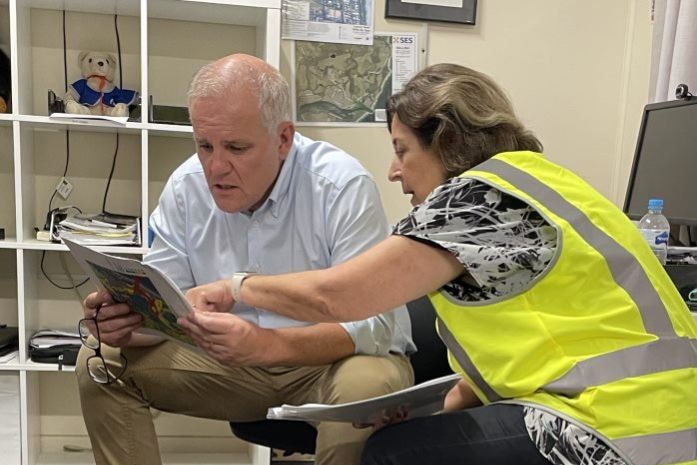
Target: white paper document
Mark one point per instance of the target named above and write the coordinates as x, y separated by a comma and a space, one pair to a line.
344, 22
85, 119
148, 292
421, 400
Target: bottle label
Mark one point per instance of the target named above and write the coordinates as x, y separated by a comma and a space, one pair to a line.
655, 238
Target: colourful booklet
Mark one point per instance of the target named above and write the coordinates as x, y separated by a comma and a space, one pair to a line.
417, 401
149, 293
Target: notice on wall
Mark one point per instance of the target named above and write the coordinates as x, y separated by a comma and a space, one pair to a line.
337, 21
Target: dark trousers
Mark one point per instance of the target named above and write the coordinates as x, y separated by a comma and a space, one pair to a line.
491, 435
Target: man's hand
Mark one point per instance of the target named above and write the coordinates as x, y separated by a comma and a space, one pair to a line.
212, 297
227, 338
116, 321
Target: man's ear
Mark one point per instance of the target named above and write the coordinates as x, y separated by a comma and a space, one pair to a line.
286, 132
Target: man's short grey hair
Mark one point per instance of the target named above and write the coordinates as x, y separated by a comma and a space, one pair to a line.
214, 80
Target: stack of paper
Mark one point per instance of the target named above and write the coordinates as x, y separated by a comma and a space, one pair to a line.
417, 401
44, 338
99, 229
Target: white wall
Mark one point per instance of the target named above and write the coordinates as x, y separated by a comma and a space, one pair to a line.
576, 70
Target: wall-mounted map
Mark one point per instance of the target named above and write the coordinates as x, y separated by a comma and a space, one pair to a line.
340, 83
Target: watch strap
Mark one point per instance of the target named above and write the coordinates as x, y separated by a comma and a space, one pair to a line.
236, 283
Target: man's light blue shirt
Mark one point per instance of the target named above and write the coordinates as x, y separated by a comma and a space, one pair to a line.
324, 209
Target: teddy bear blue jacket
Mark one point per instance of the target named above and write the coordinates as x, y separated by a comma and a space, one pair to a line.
91, 97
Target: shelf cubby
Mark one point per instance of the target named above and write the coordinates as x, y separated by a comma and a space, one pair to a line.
44, 64
91, 154
162, 44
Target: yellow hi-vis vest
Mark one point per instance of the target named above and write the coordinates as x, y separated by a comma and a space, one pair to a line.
602, 337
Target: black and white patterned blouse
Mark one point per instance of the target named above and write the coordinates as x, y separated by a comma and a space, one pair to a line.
504, 244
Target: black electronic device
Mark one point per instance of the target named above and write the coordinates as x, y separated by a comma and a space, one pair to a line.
665, 163
682, 92
55, 103
167, 114
9, 338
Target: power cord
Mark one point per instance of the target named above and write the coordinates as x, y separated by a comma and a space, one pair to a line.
67, 132
65, 172
67, 288
66, 270
111, 175
116, 148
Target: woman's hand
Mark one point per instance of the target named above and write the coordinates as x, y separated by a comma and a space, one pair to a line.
461, 396
212, 297
386, 418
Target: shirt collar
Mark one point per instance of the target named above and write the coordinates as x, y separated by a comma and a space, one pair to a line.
280, 188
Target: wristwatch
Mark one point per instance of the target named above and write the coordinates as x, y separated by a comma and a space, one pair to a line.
236, 283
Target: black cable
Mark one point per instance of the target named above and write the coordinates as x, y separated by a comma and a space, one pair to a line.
67, 132
118, 48
111, 174
67, 161
65, 58
43, 256
43, 271
116, 149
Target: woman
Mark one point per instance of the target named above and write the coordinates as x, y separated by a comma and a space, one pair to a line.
574, 346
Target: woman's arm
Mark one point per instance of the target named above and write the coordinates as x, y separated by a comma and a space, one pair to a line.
393, 272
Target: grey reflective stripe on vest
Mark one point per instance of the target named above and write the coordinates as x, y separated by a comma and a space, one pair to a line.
675, 447
465, 361
656, 356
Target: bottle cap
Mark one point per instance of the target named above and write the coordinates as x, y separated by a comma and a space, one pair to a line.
655, 204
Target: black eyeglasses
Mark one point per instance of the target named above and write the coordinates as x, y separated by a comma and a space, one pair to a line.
101, 371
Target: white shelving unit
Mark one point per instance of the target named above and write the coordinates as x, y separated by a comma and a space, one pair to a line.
163, 42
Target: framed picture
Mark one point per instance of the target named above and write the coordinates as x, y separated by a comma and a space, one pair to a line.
449, 11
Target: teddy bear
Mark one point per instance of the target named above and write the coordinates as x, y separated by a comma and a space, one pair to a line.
95, 93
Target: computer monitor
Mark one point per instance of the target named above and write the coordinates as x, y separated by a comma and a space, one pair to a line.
665, 163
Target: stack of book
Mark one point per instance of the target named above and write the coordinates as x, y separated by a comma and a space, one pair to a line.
99, 229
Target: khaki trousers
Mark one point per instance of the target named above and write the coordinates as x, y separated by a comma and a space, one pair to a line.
174, 379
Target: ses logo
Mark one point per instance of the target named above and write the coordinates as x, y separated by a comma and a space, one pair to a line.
405, 40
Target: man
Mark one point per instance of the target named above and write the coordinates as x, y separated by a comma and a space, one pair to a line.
257, 197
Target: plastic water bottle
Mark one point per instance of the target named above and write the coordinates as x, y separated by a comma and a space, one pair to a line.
655, 229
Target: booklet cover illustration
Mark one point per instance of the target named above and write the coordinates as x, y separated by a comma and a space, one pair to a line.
148, 292
140, 293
